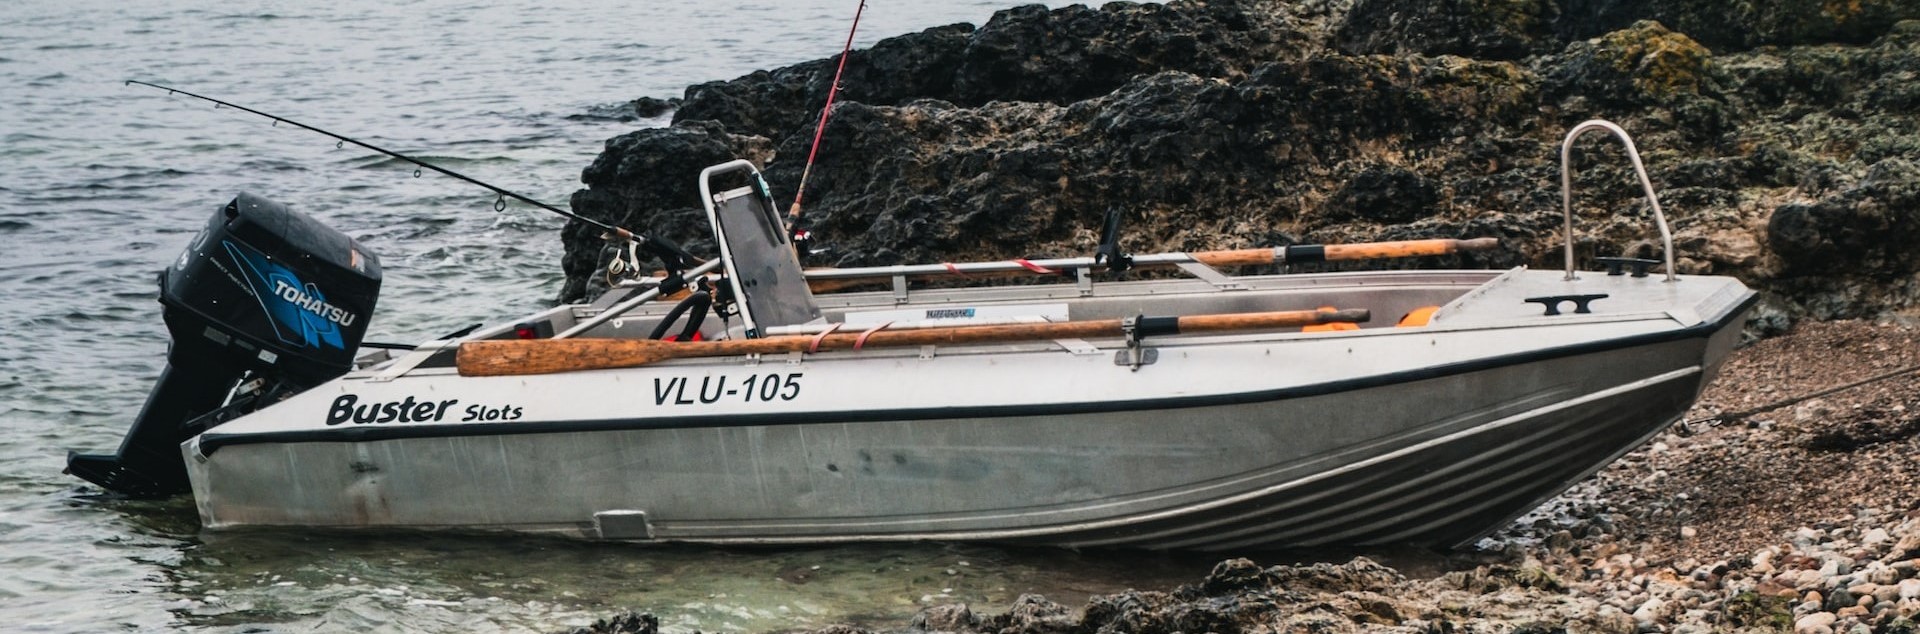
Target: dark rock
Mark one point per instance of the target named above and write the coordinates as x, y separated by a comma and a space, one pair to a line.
1234, 574
952, 617
1228, 125
642, 108
1032, 614
1074, 53
837, 628
1383, 194
1360, 573
1741, 24
1026, 53
650, 107
624, 623
1485, 29
1837, 599
1864, 231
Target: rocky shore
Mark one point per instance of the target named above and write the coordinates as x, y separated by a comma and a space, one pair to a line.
1803, 519
1783, 135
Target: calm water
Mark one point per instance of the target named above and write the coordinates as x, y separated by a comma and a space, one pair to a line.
101, 184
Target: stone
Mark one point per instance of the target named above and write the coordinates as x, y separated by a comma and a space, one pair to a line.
1650, 611
1815, 622
952, 617
1839, 598
1907, 548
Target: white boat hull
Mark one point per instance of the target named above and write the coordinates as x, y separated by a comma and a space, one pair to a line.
1430, 436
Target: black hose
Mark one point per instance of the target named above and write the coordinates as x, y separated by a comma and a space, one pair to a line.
699, 301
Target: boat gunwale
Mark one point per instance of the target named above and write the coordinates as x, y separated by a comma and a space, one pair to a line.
208, 443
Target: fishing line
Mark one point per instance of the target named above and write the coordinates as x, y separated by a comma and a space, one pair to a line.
499, 203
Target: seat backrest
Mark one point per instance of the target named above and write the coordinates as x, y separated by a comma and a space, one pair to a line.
759, 256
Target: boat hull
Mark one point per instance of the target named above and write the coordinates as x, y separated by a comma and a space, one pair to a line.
1422, 453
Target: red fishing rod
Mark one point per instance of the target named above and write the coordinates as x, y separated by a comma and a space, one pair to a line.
793, 214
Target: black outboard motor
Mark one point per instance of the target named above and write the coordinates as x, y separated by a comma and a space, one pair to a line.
265, 293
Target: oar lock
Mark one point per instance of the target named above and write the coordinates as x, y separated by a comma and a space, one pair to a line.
1139, 327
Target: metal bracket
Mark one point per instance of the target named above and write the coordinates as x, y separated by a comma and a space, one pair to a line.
1083, 281
796, 357
1212, 276
753, 359
1134, 356
1146, 356
899, 288
926, 352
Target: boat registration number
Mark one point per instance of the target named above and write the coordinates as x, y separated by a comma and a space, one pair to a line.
764, 388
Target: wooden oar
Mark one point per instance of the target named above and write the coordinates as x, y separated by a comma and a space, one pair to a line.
543, 356
830, 280
1305, 253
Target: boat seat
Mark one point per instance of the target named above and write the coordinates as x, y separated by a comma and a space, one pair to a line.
768, 284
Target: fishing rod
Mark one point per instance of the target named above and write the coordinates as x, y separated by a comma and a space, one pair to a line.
793, 214
656, 246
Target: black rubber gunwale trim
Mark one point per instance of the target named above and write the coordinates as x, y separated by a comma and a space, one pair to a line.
211, 441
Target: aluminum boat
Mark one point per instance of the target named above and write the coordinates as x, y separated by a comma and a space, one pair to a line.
1205, 410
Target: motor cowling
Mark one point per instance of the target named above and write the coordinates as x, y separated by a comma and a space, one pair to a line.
263, 292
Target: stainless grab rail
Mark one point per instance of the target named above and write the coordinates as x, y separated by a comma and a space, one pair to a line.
1566, 188
621, 308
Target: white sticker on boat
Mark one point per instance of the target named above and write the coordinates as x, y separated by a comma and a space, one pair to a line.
961, 315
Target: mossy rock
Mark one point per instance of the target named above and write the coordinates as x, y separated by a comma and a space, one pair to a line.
1645, 64
1743, 24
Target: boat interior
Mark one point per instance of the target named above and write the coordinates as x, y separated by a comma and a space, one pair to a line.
756, 287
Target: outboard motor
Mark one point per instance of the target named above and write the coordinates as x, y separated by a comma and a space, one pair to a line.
264, 294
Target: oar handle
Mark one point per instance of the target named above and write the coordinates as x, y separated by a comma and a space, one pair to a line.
543, 356
1306, 253
1406, 248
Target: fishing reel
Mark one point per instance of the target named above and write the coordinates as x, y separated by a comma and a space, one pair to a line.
625, 264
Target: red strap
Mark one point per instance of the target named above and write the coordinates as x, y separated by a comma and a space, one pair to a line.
954, 269
815, 346
1029, 265
861, 341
